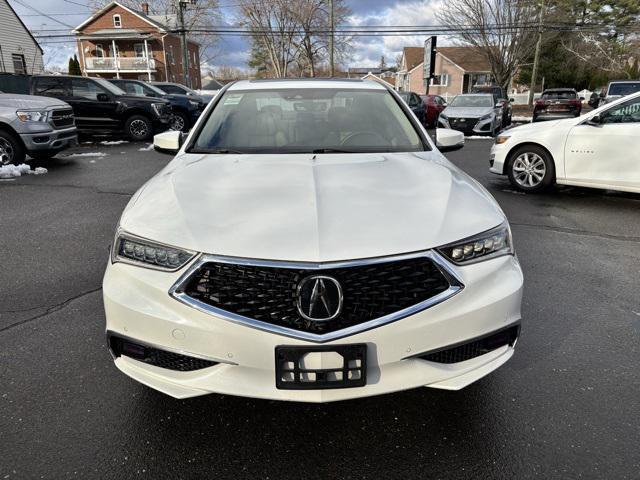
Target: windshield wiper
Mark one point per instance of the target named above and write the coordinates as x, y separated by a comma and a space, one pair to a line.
219, 150
333, 150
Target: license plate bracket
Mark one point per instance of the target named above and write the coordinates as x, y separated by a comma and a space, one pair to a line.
292, 374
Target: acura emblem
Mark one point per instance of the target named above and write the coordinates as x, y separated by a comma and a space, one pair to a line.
319, 298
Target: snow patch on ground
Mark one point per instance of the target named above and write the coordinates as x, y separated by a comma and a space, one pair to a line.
12, 171
478, 137
113, 142
86, 154
148, 148
520, 119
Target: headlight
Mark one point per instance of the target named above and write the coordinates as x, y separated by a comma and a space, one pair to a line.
145, 253
194, 103
486, 117
500, 139
158, 108
490, 244
32, 115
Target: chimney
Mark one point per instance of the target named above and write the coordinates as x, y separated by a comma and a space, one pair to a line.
145, 8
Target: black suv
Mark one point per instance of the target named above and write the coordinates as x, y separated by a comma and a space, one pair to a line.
499, 96
101, 106
185, 109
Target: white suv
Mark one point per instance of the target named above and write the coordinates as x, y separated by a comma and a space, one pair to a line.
308, 242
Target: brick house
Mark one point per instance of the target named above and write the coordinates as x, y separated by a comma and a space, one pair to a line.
120, 42
457, 69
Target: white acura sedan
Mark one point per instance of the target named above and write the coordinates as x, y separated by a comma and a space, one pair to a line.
598, 149
308, 242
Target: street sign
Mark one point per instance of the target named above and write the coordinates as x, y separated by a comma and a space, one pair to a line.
429, 62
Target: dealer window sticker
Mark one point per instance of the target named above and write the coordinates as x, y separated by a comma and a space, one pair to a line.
233, 99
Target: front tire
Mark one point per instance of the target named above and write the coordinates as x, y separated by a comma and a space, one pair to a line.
138, 127
11, 149
179, 122
531, 169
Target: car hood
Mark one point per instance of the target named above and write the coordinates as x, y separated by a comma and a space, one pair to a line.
310, 208
467, 112
29, 101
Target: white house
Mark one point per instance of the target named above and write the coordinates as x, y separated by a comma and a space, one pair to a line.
19, 51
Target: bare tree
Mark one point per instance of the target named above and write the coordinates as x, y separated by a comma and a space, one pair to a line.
500, 29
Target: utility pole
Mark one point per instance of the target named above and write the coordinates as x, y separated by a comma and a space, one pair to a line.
182, 6
536, 58
331, 27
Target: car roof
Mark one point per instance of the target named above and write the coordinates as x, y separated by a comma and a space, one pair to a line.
310, 83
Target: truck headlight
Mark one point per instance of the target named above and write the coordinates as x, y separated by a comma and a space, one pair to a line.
490, 244
32, 115
145, 253
158, 108
486, 117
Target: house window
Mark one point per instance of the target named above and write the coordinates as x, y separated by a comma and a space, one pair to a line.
440, 80
138, 48
99, 50
117, 21
19, 65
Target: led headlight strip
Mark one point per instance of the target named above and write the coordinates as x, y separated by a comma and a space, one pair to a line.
490, 244
145, 253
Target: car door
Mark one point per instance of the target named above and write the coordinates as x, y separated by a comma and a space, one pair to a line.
606, 153
93, 106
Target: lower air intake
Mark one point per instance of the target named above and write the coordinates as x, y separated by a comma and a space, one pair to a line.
474, 348
156, 357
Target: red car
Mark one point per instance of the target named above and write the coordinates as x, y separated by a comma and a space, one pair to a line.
434, 105
557, 103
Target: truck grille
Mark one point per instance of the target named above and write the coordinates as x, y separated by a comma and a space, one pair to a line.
270, 294
62, 118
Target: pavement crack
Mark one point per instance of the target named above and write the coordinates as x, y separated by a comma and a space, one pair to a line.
51, 309
586, 233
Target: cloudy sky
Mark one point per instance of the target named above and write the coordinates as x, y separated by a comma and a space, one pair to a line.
234, 50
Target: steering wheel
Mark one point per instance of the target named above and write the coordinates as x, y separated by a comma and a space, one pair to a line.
365, 138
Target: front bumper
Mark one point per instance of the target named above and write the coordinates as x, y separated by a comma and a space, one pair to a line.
138, 306
50, 140
498, 158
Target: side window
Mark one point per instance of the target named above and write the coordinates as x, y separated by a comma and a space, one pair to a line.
627, 112
133, 89
50, 87
86, 89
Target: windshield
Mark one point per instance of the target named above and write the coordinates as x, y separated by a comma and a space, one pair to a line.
560, 95
109, 86
472, 101
307, 120
624, 88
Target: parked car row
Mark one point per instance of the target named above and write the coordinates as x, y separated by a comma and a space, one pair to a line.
48, 121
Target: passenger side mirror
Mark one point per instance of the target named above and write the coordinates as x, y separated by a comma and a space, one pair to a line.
448, 140
168, 142
102, 97
499, 105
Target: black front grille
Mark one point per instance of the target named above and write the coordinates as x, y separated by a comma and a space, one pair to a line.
474, 348
465, 125
62, 118
269, 294
154, 356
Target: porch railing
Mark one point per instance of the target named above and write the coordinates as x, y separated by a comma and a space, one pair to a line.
120, 63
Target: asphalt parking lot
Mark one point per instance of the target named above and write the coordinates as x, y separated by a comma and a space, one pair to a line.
566, 406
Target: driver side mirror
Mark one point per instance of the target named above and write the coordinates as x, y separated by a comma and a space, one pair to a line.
168, 142
595, 120
499, 105
448, 139
102, 97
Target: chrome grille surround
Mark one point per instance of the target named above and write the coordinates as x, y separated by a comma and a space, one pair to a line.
177, 292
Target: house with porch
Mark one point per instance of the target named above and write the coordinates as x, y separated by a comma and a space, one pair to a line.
457, 70
122, 42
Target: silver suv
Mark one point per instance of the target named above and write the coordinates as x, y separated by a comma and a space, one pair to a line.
619, 88
38, 126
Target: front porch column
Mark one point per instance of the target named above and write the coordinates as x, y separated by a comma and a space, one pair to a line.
115, 58
146, 54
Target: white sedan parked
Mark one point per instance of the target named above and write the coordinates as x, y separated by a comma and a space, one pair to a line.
599, 149
310, 243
